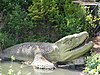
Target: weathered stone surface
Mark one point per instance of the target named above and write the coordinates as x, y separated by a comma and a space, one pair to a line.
40, 62
64, 50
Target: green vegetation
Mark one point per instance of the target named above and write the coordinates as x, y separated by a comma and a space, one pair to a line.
17, 25
57, 18
93, 65
39, 20
92, 23
46, 21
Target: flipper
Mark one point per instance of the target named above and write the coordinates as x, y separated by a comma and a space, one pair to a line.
40, 62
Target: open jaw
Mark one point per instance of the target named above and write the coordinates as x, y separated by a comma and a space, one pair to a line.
73, 46
76, 53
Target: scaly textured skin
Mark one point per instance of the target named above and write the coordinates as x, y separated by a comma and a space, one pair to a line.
64, 50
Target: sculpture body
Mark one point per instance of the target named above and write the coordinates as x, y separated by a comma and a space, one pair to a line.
43, 55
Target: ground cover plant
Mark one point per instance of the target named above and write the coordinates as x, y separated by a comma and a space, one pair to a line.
93, 65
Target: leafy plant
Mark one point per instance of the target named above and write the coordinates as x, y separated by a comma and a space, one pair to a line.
93, 65
92, 23
50, 20
17, 28
17, 23
56, 18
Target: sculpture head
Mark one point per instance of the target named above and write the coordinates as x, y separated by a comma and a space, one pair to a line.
73, 46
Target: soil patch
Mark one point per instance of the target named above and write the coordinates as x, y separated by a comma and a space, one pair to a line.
96, 47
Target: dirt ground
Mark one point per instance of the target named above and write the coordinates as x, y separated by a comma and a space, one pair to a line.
96, 47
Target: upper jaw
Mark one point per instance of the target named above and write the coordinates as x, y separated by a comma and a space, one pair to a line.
72, 41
